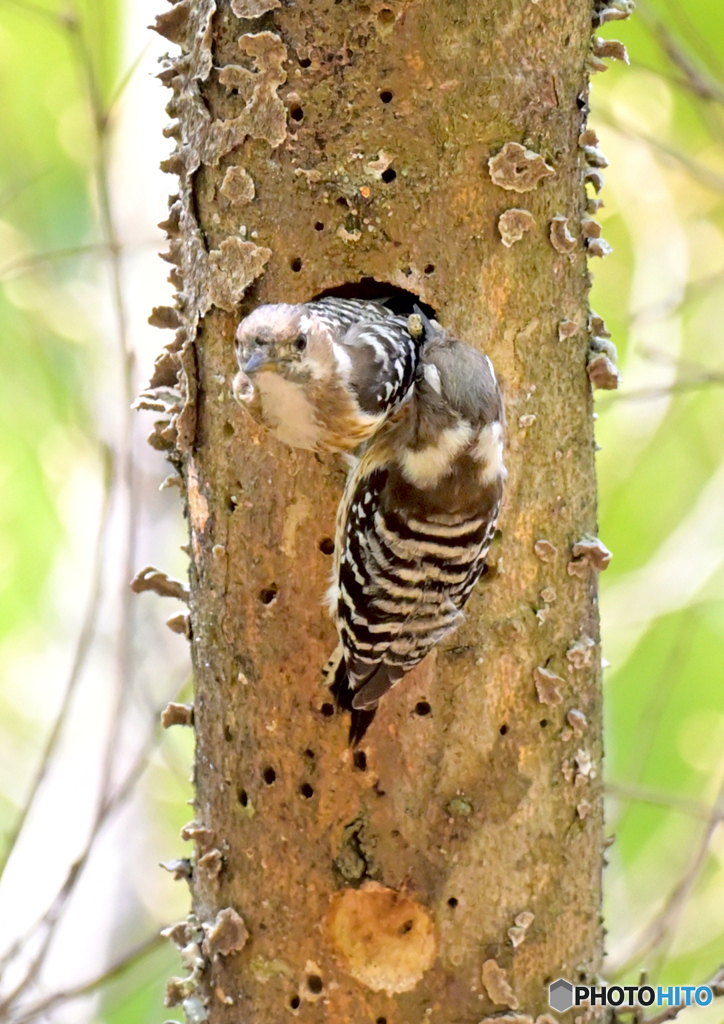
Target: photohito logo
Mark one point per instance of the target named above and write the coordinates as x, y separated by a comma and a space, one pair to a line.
562, 995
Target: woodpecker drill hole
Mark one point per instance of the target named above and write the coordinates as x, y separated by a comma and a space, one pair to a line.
327, 710
304, 62
360, 760
268, 594
319, 226
243, 798
386, 16
296, 265
503, 730
430, 269
342, 201
228, 734
406, 927
307, 791
422, 708
296, 113
269, 776
386, 96
295, 1002
229, 430
452, 902
389, 175
543, 723
309, 753
381, 1020
314, 984
326, 546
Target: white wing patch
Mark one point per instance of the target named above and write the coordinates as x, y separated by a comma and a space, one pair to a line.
427, 466
488, 450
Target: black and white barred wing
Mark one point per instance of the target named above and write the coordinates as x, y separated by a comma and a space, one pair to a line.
383, 362
402, 584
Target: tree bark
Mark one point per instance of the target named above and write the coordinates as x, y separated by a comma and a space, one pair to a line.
318, 144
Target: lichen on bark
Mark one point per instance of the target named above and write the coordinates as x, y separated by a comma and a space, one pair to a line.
321, 145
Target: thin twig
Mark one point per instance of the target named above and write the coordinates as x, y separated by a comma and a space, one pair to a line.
125, 963
83, 646
644, 795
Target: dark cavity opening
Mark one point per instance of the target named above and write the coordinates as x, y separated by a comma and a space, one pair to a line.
268, 595
304, 62
307, 791
243, 798
296, 264
386, 16
543, 723
309, 753
389, 175
381, 1020
399, 300
296, 113
405, 928
315, 984
422, 708
319, 226
503, 730
326, 546
295, 1002
327, 710
386, 96
430, 268
269, 776
452, 902
360, 760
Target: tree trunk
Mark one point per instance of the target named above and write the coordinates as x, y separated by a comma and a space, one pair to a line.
319, 144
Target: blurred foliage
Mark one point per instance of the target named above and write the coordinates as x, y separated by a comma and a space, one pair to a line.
661, 467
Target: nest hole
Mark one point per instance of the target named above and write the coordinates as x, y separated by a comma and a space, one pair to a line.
399, 300
360, 760
306, 791
422, 708
326, 546
389, 175
269, 776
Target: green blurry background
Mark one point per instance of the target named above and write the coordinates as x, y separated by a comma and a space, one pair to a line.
80, 193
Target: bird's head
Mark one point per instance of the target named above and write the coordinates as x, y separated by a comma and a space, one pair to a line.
282, 339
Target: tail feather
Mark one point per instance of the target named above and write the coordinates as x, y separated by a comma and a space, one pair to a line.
337, 679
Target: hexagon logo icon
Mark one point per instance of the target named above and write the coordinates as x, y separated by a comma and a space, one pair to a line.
560, 995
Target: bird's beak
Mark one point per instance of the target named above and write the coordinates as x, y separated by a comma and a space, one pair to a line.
257, 359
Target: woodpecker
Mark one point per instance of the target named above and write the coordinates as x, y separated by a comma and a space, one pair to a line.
415, 524
323, 375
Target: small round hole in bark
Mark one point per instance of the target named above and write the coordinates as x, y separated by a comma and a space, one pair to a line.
304, 62
309, 753
422, 708
342, 201
360, 760
381, 1020
503, 730
295, 1002
406, 927
296, 113
269, 776
326, 546
228, 734
386, 16
389, 175
314, 984
229, 430
306, 790
386, 96
296, 264
543, 723
243, 798
452, 902
319, 226
327, 710
268, 594
430, 268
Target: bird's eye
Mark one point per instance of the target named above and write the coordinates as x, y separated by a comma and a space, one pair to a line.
300, 343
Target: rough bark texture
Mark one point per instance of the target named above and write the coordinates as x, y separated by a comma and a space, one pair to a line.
318, 144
